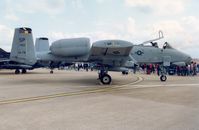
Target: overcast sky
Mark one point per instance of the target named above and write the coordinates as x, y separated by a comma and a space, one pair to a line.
131, 20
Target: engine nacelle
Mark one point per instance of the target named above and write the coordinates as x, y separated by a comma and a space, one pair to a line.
71, 47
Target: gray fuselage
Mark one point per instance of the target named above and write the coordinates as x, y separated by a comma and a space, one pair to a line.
151, 54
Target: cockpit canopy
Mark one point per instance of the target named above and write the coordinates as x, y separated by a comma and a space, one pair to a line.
167, 46
154, 44
150, 44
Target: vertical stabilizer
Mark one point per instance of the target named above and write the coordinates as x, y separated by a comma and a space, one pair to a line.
42, 44
23, 50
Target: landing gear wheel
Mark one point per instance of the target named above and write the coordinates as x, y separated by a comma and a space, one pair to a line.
23, 71
125, 72
163, 78
17, 71
51, 71
106, 79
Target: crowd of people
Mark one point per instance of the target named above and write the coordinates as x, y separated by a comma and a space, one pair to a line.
188, 70
84, 66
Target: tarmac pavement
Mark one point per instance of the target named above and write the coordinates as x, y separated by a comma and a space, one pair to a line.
77, 101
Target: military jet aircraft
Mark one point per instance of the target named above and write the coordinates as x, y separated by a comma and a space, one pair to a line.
115, 55
107, 55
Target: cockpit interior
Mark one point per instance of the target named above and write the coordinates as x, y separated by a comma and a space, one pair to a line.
166, 45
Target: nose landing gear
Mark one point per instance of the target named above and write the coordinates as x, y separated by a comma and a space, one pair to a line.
163, 72
163, 78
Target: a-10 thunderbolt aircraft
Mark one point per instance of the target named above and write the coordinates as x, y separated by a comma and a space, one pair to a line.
108, 55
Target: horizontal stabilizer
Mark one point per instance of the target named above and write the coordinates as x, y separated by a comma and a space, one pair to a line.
16, 66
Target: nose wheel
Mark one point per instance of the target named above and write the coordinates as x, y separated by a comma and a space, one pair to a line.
163, 78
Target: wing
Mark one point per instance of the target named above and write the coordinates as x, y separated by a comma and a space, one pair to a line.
110, 52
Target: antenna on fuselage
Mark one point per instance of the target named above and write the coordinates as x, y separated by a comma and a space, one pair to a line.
161, 36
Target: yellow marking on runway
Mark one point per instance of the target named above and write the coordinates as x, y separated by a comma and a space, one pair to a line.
67, 94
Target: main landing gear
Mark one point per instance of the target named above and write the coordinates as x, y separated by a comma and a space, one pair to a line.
163, 78
125, 72
17, 71
104, 77
23, 71
51, 71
